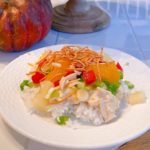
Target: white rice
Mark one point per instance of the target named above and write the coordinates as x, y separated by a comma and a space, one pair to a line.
88, 114
106, 112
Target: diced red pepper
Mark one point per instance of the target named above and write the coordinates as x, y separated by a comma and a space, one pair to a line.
89, 77
119, 66
38, 77
70, 71
56, 83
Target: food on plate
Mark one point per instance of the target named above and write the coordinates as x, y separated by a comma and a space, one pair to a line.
78, 84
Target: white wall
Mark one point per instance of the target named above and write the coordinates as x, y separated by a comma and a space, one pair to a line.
56, 2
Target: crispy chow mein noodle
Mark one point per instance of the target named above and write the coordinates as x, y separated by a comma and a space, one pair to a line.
69, 57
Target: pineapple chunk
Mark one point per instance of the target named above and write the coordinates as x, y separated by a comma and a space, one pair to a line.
137, 98
39, 101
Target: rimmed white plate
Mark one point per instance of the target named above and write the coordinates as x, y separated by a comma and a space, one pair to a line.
133, 122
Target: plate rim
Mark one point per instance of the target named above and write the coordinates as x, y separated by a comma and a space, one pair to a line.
21, 131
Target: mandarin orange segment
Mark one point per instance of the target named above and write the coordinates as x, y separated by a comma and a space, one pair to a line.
58, 72
55, 76
106, 71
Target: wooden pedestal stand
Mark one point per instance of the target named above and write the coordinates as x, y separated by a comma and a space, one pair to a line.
79, 16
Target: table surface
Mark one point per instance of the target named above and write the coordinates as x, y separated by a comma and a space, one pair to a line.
129, 31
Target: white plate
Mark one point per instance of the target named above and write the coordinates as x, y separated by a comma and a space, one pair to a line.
134, 121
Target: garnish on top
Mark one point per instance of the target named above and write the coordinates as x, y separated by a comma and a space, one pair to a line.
53, 65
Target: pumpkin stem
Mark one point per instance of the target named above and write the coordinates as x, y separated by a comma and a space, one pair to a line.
6, 1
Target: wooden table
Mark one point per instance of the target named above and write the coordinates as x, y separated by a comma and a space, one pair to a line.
142, 143
129, 31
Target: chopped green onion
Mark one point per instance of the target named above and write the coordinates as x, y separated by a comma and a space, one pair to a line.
25, 83
121, 75
83, 86
81, 80
62, 120
113, 88
129, 84
103, 85
55, 93
106, 83
97, 83
100, 84
127, 63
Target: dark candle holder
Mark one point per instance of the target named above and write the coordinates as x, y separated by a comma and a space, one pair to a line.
79, 16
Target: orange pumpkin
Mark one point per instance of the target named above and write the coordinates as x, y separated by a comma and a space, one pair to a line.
23, 23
